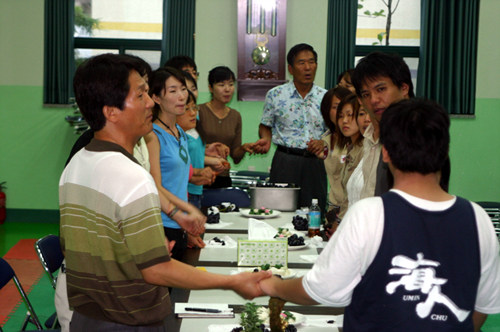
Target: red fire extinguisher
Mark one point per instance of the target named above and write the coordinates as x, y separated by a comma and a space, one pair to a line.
3, 210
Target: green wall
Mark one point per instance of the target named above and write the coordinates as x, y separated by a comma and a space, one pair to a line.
35, 140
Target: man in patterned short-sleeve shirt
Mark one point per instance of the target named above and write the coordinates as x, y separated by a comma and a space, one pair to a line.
292, 120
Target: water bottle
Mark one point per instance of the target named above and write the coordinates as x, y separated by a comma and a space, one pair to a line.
314, 218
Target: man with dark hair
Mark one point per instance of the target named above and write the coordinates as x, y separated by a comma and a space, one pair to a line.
117, 257
292, 120
416, 258
380, 79
183, 63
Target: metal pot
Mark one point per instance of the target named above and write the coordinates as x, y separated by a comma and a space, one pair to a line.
277, 197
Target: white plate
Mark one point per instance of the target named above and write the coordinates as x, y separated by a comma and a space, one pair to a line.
284, 273
246, 213
305, 245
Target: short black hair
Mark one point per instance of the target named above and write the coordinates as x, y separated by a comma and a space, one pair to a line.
220, 74
326, 104
415, 133
378, 64
191, 97
157, 83
189, 78
145, 68
345, 73
290, 57
103, 80
180, 61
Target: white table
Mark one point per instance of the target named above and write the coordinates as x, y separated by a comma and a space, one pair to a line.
228, 256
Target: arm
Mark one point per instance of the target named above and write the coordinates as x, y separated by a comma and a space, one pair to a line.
173, 274
264, 143
317, 147
478, 320
193, 221
237, 149
217, 150
218, 165
289, 290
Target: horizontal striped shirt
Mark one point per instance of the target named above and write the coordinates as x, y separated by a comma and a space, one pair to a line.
111, 229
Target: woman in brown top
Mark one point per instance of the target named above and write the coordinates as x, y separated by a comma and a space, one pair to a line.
219, 123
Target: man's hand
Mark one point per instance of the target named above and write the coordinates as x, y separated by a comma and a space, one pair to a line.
217, 150
248, 147
195, 241
262, 146
192, 222
246, 284
316, 147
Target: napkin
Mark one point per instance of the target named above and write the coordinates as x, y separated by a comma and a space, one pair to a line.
260, 230
309, 258
181, 312
229, 243
316, 241
322, 321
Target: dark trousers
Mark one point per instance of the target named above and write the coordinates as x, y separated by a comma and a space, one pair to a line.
307, 172
82, 323
180, 237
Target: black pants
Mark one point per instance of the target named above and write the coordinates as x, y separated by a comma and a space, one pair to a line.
180, 238
307, 172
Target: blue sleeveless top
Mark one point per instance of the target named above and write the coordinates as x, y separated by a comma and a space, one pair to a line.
425, 274
174, 165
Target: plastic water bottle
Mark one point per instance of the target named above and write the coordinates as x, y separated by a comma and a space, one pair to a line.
314, 218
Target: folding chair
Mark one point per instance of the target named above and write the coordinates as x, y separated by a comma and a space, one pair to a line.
50, 254
7, 274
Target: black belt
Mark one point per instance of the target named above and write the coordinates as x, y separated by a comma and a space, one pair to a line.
296, 151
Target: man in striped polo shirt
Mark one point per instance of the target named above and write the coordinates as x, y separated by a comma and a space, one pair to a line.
117, 258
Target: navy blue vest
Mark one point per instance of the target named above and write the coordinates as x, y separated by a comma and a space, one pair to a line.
425, 274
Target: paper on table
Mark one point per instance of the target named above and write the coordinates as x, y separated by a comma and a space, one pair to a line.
322, 321
222, 327
219, 225
260, 230
229, 243
180, 310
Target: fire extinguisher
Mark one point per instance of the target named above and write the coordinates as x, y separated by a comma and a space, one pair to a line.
3, 210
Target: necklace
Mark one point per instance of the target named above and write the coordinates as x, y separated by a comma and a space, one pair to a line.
224, 113
183, 153
163, 123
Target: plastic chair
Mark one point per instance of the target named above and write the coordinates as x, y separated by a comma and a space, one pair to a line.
7, 274
50, 254
493, 211
236, 196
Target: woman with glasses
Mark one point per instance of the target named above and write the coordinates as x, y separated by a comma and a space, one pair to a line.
220, 123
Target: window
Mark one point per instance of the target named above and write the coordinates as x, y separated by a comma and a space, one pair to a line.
391, 26
118, 26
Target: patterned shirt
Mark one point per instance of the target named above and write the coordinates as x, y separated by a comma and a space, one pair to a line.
294, 120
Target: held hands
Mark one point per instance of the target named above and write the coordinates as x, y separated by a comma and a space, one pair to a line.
192, 222
217, 150
195, 241
247, 284
261, 146
316, 147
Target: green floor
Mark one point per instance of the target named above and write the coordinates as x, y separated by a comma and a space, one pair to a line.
42, 294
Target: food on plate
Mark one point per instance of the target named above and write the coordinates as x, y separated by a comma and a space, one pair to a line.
300, 223
283, 232
295, 240
261, 212
277, 270
216, 241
